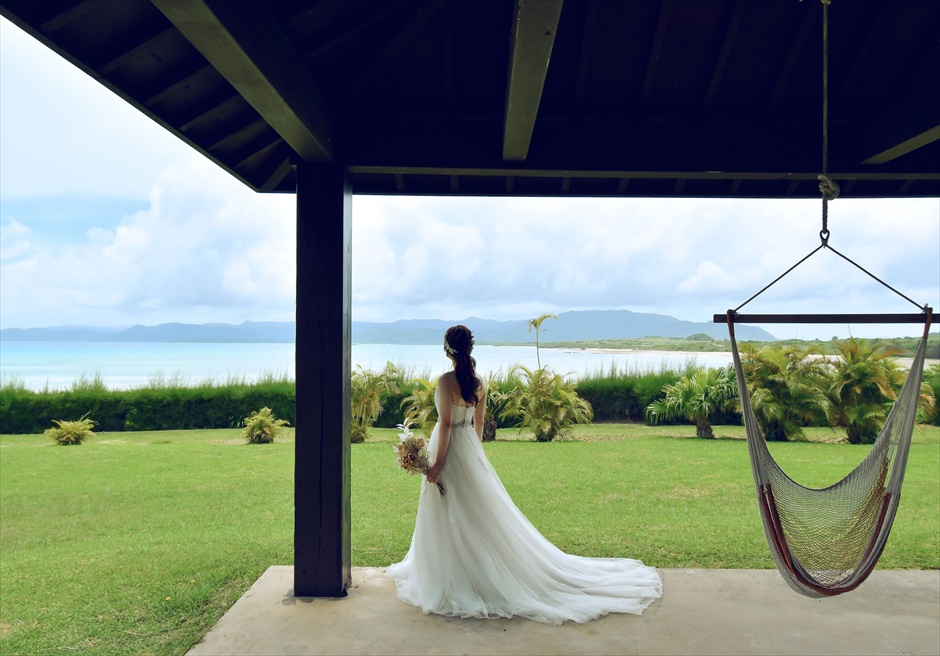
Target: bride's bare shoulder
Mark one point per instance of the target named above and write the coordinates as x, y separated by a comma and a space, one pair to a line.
447, 381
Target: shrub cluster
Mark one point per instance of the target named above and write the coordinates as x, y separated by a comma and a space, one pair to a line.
161, 408
66, 433
932, 378
615, 395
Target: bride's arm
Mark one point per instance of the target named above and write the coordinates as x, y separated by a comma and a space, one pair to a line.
480, 412
444, 423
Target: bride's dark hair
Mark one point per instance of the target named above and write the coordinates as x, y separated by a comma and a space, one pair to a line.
458, 342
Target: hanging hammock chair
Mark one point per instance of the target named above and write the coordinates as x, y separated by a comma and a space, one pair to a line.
827, 541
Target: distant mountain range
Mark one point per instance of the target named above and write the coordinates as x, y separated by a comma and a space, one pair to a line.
570, 327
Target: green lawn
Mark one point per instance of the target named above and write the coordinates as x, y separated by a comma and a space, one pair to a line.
139, 542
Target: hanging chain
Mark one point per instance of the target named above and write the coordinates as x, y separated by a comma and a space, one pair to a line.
827, 186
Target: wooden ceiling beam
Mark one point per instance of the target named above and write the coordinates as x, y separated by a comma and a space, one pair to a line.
245, 43
910, 122
734, 176
534, 25
905, 146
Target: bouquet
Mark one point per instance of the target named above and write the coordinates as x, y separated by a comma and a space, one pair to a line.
413, 454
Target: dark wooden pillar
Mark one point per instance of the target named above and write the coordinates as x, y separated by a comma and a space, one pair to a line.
322, 556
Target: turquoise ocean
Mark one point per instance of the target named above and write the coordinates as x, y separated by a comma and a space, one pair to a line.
125, 365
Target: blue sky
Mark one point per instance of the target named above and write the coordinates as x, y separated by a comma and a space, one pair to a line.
108, 219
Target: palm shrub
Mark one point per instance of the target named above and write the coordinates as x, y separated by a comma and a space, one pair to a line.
544, 402
696, 396
368, 391
863, 383
498, 387
786, 386
71, 432
262, 427
536, 325
419, 408
932, 380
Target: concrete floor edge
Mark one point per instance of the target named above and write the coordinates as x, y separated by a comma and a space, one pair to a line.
701, 612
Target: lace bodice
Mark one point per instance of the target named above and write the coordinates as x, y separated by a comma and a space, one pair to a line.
460, 415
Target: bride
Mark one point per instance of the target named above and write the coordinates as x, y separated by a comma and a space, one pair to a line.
474, 554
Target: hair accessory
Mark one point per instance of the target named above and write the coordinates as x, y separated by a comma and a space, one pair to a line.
450, 349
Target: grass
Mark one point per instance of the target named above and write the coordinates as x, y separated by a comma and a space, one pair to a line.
139, 542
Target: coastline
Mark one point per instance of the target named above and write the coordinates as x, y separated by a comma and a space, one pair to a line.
905, 362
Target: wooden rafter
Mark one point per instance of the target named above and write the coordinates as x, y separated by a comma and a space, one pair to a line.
276, 176
809, 18
906, 146
730, 35
141, 47
447, 51
59, 21
244, 42
260, 153
377, 17
203, 112
179, 82
860, 57
656, 50
320, 15
584, 61
396, 43
535, 23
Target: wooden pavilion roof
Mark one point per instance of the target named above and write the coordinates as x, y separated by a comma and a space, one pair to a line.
533, 97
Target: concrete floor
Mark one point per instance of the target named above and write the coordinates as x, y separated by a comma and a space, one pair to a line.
701, 612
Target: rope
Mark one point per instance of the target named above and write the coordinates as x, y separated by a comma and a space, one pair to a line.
825, 89
774, 282
864, 270
828, 187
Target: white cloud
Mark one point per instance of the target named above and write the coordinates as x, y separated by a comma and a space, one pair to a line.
12, 246
208, 249
101, 144
512, 258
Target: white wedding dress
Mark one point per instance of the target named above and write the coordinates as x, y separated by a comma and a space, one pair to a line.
474, 554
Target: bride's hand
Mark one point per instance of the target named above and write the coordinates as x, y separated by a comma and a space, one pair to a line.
435, 472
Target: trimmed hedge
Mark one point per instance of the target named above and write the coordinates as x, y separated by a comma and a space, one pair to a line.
619, 397
23, 411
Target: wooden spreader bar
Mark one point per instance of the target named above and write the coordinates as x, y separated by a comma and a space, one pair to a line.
920, 317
